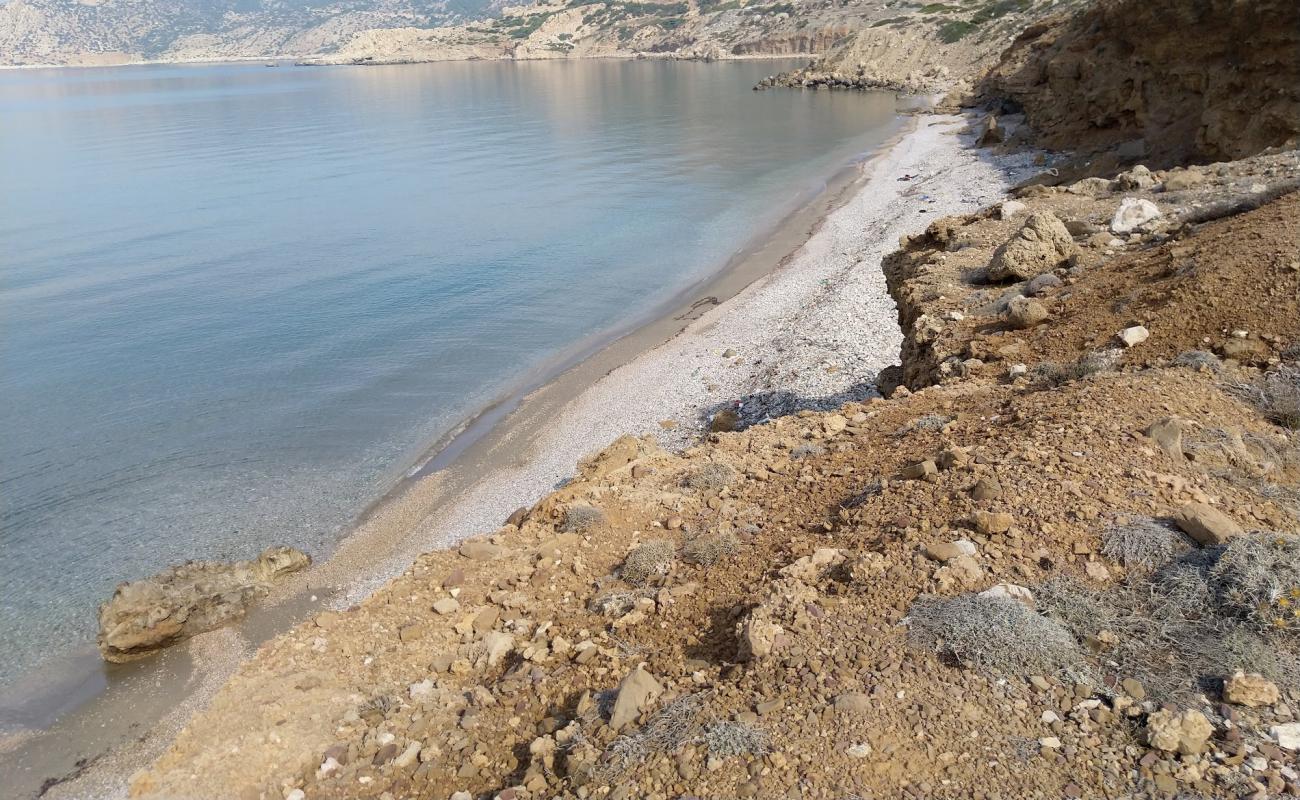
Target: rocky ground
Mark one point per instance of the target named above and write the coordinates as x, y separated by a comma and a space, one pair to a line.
1034, 570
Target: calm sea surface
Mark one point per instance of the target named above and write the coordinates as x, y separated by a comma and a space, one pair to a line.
237, 303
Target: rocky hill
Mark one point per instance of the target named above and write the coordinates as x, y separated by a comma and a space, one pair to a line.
894, 38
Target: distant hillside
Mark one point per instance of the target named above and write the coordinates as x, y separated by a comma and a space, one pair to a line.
108, 31
389, 31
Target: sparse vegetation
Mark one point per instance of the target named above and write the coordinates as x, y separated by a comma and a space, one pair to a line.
955, 30
1199, 359
1051, 374
1144, 543
1279, 396
581, 519
710, 548
674, 726
728, 739
1257, 577
996, 635
648, 560
711, 477
806, 451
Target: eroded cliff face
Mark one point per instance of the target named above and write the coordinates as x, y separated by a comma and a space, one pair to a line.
1204, 80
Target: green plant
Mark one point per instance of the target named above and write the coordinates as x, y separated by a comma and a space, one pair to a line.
954, 30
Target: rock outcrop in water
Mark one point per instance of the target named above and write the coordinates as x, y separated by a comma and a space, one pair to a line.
146, 615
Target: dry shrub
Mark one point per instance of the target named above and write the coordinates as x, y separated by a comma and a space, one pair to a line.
674, 726
711, 477
925, 422
727, 739
1143, 543
1199, 359
709, 549
1257, 578
612, 604
648, 560
1051, 374
1280, 396
996, 635
580, 519
1189, 623
807, 451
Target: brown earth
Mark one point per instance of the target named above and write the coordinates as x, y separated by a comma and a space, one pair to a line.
1182, 80
764, 651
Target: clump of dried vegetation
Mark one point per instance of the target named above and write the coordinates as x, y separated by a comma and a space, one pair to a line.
710, 548
1050, 374
1186, 624
711, 477
996, 635
1143, 543
648, 560
581, 519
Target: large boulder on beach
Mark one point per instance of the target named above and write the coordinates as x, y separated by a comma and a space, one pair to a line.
146, 615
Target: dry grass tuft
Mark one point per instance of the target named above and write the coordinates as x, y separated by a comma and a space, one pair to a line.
711, 477
729, 739
1143, 544
1199, 359
710, 549
1051, 374
1257, 578
996, 635
674, 726
648, 560
581, 519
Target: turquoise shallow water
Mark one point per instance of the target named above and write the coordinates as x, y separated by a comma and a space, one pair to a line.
237, 303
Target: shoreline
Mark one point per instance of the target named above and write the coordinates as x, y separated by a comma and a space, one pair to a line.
810, 334
90, 697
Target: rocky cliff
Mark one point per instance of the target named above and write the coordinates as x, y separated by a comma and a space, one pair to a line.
1179, 79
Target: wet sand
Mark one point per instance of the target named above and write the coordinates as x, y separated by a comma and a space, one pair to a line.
103, 722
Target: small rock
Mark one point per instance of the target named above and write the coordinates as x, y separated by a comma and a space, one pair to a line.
1287, 735
1206, 524
853, 703
478, 550
1023, 313
986, 488
1041, 245
859, 750
1253, 690
1168, 434
1134, 336
989, 522
725, 421
1011, 208
1011, 591
945, 551
1041, 284
446, 606
1133, 213
924, 470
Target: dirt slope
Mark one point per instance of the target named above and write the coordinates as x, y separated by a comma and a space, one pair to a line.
1204, 80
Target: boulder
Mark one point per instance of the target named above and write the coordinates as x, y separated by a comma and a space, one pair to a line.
1253, 690
1041, 245
1206, 524
1185, 734
182, 601
1024, 313
635, 694
1133, 214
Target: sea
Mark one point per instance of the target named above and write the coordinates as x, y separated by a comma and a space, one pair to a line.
238, 303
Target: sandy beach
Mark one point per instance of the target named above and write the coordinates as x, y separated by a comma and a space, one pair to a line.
801, 320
